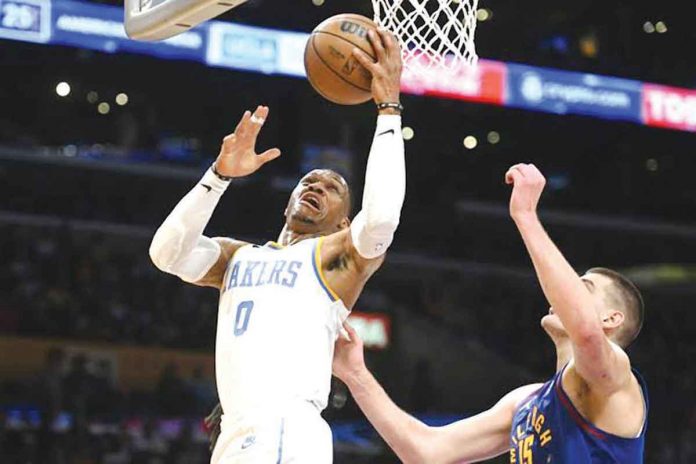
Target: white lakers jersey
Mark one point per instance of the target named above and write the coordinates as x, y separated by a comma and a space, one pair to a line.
277, 324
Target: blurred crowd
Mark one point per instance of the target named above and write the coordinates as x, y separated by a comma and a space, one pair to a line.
97, 287
72, 411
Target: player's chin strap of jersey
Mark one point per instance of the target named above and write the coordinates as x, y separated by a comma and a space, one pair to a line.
373, 228
179, 246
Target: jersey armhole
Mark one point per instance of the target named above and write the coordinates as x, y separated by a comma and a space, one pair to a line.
318, 271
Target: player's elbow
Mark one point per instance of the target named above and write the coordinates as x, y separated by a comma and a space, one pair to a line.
160, 252
382, 224
157, 258
424, 448
588, 335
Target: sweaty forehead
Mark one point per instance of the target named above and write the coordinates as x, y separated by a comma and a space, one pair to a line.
326, 174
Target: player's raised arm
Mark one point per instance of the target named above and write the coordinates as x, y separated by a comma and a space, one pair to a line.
361, 248
600, 363
373, 228
470, 440
179, 246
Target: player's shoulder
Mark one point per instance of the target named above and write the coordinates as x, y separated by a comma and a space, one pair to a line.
517, 397
229, 246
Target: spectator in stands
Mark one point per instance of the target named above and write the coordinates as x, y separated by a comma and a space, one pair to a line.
172, 393
202, 390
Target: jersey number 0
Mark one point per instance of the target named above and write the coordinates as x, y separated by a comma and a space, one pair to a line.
241, 321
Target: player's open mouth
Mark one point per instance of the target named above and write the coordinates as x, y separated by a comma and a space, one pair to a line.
311, 201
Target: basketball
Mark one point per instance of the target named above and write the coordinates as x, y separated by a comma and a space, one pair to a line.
331, 67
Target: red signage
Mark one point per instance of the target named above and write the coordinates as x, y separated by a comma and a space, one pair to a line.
669, 107
483, 83
374, 329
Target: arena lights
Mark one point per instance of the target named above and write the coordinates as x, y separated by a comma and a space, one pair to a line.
470, 142
661, 27
408, 133
484, 14
652, 165
318, 2
493, 137
63, 89
104, 108
649, 27
92, 97
122, 99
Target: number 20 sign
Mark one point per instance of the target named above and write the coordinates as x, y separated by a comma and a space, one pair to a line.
28, 20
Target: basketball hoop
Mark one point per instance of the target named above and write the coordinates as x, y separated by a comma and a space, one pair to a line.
434, 34
151, 20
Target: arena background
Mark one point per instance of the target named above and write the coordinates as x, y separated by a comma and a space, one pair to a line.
104, 359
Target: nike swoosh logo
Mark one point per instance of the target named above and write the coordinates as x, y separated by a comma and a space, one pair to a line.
207, 187
390, 131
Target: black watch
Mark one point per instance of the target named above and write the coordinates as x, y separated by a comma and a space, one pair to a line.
394, 106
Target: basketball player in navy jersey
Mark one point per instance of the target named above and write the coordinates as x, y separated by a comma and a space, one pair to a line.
272, 385
593, 410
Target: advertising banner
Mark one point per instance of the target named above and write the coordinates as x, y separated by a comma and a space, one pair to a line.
565, 92
484, 83
267, 51
669, 107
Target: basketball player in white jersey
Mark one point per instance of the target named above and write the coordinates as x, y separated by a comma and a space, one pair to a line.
282, 304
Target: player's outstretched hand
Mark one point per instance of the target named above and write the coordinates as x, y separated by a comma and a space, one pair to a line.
386, 72
238, 156
527, 184
348, 354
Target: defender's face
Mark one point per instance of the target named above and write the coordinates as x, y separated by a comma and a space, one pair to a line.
597, 285
319, 203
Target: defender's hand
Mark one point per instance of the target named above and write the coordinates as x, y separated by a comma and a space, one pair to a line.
527, 184
348, 354
238, 156
212, 424
386, 72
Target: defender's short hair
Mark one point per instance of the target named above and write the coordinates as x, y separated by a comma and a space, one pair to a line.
629, 301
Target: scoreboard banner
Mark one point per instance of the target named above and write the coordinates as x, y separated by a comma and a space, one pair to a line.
215, 43
26, 20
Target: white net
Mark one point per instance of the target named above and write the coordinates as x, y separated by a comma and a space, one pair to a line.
433, 33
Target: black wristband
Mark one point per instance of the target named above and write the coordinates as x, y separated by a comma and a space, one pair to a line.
394, 106
220, 176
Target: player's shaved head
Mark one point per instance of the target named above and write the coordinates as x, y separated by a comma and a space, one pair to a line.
624, 296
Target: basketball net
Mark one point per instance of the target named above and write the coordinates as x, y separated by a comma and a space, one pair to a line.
435, 35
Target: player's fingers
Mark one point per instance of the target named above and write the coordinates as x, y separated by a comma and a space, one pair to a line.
365, 60
257, 120
391, 45
534, 171
375, 39
518, 166
354, 337
242, 126
513, 176
269, 155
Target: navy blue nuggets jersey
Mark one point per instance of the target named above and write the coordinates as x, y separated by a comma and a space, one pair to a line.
547, 428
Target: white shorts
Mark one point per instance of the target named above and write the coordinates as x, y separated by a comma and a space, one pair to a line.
297, 435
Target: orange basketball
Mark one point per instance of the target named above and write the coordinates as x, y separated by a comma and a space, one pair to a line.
331, 67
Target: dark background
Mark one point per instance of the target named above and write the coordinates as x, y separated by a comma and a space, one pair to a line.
81, 194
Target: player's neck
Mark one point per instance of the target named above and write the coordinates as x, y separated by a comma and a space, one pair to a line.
564, 352
290, 237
